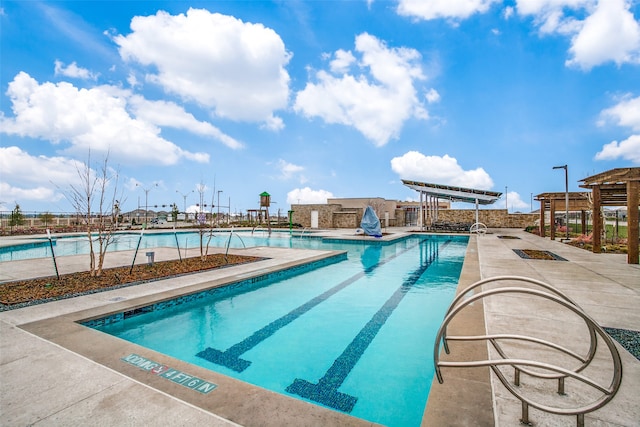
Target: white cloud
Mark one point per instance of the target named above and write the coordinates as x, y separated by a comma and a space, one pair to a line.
550, 16
439, 170
21, 194
288, 170
342, 62
609, 34
308, 196
95, 118
514, 200
376, 102
625, 113
19, 182
508, 12
435, 9
235, 68
163, 113
432, 96
73, 71
629, 149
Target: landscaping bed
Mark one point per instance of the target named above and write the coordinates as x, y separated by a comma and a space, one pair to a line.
23, 293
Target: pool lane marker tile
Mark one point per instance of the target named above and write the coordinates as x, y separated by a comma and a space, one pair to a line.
230, 358
326, 390
174, 375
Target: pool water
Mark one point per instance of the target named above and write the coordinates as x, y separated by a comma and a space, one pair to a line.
185, 241
355, 336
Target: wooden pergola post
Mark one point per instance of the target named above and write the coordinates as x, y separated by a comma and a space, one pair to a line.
633, 196
542, 215
597, 220
552, 220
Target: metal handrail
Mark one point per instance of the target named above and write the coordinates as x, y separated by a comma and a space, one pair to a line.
478, 228
256, 227
302, 232
592, 334
226, 254
551, 371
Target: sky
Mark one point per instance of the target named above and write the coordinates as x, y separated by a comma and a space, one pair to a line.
215, 102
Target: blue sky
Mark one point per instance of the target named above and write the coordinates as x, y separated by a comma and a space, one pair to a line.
314, 99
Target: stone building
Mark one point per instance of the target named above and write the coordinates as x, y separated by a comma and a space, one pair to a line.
347, 213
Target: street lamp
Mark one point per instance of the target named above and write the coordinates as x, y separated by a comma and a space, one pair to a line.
146, 200
506, 198
184, 197
566, 195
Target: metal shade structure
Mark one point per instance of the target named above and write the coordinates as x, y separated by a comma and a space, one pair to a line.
454, 194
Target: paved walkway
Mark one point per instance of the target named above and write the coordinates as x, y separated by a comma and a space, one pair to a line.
54, 372
603, 285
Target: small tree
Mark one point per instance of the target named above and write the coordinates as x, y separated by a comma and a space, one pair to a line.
16, 218
92, 190
46, 217
174, 212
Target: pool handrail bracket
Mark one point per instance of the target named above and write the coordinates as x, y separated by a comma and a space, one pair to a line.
542, 369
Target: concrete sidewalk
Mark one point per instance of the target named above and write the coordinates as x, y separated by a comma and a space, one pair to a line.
603, 285
54, 372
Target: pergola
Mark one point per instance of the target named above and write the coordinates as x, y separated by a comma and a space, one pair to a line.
454, 194
578, 201
616, 187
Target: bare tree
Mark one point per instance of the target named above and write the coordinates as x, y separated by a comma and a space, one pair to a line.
378, 206
99, 188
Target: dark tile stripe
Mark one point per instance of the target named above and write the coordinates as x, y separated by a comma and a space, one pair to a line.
326, 390
231, 357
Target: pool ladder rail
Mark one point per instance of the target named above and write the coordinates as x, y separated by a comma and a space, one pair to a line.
542, 369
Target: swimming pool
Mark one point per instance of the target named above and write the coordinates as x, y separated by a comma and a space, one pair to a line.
186, 241
355, 336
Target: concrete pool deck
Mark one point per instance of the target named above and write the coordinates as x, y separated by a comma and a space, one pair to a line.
55, 372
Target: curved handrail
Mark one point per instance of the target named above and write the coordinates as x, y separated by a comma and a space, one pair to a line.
592, 335
229, 243
478, 228
552, 371
255, 228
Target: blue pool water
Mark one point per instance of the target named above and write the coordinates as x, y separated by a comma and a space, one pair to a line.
185, 241
355, 335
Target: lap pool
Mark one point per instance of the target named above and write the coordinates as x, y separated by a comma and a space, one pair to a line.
354, 335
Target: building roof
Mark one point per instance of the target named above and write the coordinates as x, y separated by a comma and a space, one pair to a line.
455, 194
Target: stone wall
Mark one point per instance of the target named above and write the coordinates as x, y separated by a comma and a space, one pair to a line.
492, 218
347, 219
302, 214
335, 216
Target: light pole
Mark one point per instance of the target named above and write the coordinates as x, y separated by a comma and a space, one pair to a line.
184, 197
506, 198
146, 200
218, 204
566, 195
